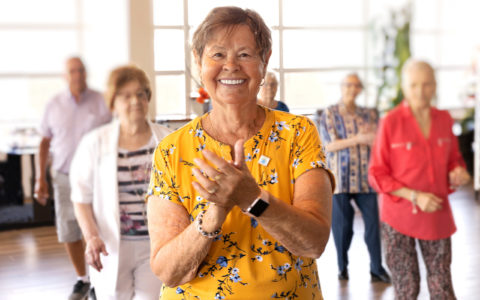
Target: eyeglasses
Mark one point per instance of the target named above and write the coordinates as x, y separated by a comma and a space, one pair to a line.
356, 85
141, 95
270, 84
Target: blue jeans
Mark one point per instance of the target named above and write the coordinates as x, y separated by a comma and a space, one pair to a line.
342, 228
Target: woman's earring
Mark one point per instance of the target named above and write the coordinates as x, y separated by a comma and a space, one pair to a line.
262, 82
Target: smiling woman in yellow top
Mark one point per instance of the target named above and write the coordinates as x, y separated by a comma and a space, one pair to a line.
240, 199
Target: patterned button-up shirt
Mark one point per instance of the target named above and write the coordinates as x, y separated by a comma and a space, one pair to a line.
350, 165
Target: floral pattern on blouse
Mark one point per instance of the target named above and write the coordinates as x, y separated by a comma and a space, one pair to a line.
245, 261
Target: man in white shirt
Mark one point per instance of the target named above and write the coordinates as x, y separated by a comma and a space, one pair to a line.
67, 117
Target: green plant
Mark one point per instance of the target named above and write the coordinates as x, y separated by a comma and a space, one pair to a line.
394, 51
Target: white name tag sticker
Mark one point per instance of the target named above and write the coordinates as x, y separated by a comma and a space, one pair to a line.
264, 160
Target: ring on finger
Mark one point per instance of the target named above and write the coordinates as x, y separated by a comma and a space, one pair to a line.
213, 190
218, 177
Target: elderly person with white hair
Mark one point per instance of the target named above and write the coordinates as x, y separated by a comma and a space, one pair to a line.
348, 131
415, 164
268, 92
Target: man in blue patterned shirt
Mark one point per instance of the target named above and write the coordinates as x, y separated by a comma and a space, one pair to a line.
348, 131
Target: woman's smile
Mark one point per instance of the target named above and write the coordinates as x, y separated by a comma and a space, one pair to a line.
232, 82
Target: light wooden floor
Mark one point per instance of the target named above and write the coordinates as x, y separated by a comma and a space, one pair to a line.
34, 266
465, 261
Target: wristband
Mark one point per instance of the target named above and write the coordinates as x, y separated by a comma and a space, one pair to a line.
198, 226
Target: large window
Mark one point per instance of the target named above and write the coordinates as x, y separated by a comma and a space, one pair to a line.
444, 32
36, 37
315, 43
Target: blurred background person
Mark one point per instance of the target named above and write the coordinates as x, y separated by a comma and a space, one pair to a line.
256, 214
67, 117
268, 91
109, 178
415, 164
348, 131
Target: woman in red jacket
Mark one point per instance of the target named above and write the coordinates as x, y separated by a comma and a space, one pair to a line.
415, 164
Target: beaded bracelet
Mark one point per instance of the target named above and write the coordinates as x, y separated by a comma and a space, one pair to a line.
198, 223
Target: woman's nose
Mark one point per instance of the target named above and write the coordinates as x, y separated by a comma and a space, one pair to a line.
135, 99
231, 64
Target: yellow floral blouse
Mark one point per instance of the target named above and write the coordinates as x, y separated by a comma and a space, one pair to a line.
244, 262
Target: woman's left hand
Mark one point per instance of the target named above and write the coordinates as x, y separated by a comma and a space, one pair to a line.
458, 177
228, 183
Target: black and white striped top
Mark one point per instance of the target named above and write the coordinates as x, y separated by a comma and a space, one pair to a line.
133, 178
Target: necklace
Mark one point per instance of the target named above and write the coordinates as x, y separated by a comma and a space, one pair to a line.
217, 136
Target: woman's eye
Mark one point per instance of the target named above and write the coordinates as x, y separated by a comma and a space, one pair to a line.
217, 55
244, 54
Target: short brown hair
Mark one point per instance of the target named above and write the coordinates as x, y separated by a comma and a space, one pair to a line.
120, 76
230, 16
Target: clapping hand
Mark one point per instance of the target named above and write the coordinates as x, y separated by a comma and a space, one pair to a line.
227, 183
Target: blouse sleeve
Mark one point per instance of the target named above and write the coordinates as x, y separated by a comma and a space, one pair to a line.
307, 151
379, 172
455, 159
162, 181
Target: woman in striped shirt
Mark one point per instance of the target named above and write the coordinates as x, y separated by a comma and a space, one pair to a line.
109, 178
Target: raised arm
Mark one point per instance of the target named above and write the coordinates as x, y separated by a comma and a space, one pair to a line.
303, 228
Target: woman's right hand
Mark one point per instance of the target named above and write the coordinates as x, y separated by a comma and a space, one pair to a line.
428, 202
94, 247
229, 183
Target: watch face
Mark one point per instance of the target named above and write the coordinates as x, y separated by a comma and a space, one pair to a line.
259, 207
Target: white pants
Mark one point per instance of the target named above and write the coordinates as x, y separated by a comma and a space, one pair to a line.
135, 278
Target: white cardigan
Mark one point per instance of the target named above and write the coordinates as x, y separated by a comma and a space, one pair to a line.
94, 180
